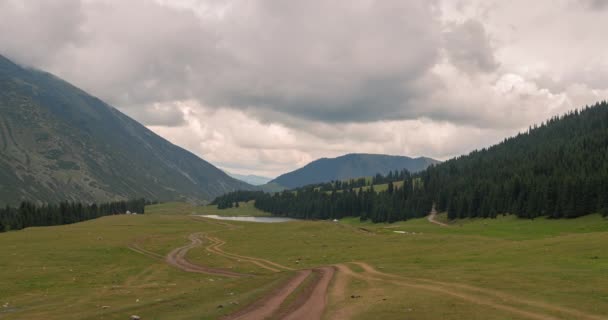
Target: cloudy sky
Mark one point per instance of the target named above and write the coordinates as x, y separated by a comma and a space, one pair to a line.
266, 86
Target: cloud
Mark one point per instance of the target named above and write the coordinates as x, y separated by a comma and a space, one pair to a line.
35, 31
238, 143
595, 4
468, 47
265, 86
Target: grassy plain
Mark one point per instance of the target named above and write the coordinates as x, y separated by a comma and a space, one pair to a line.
87, 271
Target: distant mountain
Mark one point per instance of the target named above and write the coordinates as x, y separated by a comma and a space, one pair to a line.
350, 166
250, 178
59, 143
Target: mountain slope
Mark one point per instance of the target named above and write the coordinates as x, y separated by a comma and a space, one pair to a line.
59, 143
250, 178
350, 166
557, 170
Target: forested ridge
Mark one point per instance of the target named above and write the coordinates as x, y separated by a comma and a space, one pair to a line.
28, 214
557, 169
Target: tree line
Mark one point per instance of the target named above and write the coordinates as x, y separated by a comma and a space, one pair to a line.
391, 205
312, 202
29, 214
232, 199
557, 169
391, 176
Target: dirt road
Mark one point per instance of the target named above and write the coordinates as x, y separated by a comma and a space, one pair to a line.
432, 218
498, 300
177, 258
267, 306
314, 305
216, 245
309, 302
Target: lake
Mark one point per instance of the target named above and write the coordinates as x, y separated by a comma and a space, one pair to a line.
248, 219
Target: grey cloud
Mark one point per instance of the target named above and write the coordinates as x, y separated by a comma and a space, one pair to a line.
157, 115
335, 61
595, 4
292, 62
468, 47
34, 31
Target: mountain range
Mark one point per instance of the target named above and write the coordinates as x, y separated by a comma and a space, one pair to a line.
350, 166
250, 178
59, 143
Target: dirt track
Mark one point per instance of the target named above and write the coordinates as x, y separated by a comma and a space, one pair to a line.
177, 258
270, 304
308, 304
262, 263
315, 304
431, 218
310, 298
486, 297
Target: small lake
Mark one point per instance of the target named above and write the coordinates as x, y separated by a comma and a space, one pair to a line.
248, 219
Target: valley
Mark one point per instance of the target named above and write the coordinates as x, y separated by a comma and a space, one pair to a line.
303, 160
170, 264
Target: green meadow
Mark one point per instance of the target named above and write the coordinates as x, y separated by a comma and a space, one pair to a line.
504, 268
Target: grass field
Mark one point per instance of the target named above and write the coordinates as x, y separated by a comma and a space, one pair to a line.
504, 268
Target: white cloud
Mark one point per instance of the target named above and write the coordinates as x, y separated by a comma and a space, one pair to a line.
266, 86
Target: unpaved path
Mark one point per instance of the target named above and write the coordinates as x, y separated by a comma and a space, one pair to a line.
498, 301
432, 218
267, 306
177, 258
314, 306
137, 248
310, 304
215, 247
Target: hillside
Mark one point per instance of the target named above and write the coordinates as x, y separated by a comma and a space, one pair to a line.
350, 166
558, 169
250, 178
59, 143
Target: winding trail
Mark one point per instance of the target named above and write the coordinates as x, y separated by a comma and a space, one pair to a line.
432, 218
262, 263
177, 258
299, 299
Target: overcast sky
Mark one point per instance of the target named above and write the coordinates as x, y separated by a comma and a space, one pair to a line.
266, 86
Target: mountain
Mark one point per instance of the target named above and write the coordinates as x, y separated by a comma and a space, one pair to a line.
59, 143
558, 169
349, 166
250, 178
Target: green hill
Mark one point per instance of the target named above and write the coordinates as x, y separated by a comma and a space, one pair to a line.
59, 143
350, 166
